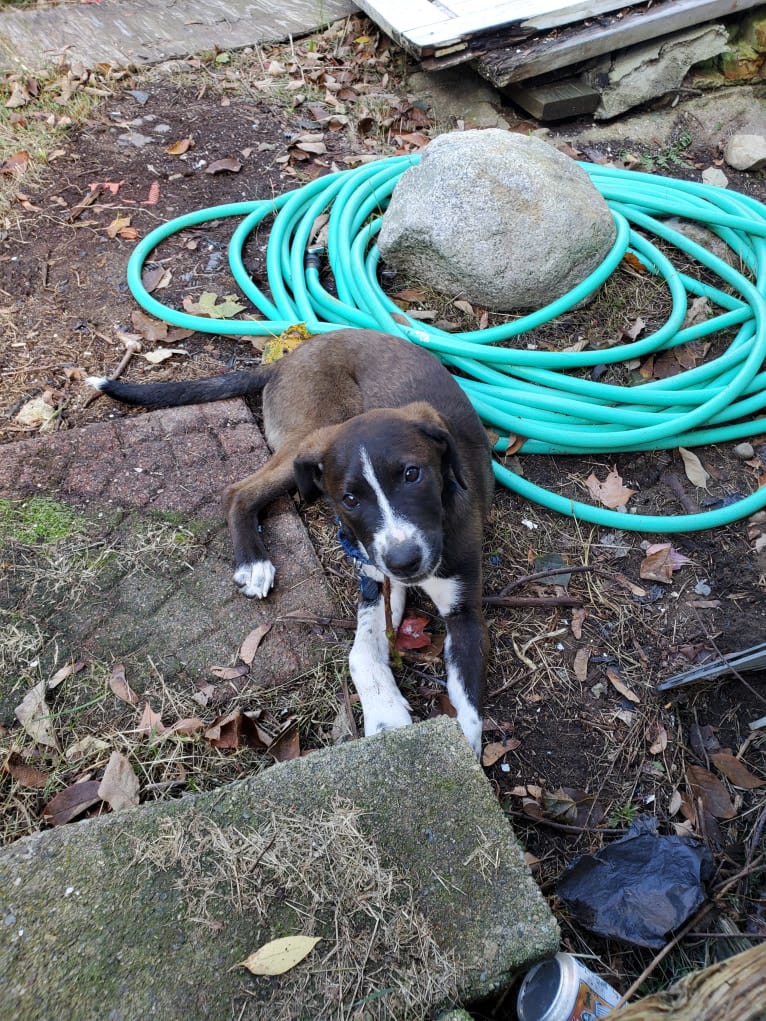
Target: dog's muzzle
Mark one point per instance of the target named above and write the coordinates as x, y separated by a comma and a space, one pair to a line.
407, 561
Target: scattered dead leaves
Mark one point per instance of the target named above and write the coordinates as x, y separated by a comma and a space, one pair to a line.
710, 791
661, 561
119, 784
611, 492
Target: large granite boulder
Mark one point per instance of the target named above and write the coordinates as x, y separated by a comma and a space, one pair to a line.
502, 219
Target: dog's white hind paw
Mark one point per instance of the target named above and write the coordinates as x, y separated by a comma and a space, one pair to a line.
255, 579
472, 728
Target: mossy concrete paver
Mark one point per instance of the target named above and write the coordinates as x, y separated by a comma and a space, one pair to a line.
150, 573
127, 32
90, 931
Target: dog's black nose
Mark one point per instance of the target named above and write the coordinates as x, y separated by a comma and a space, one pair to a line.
404, 560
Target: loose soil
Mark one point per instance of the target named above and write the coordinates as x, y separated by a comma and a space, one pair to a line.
65, 308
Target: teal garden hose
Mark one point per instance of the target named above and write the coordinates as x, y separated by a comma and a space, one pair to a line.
535, 394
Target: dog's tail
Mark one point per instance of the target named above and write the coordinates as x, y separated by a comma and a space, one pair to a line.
191, 391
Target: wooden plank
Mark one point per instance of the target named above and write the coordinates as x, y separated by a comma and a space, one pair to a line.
421, 26
577, 10
390, 15
530, 59
538, 14
404, 16
568, 98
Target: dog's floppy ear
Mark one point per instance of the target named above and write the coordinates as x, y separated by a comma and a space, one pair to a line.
451, 459
308, 467
431, 424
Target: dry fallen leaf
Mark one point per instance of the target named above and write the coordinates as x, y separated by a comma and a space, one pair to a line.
710, 791
85, 747
578, 619
580, 665
497, 749
119, 785
674, 805
251, 644
621, 686
71, 802
119, 685
657, 739
151, 724
161, 354
735, 771
65, 671
208, 305
573, 807
118, 224
236, 730
23, 773
412, 634
147, 327
280, 955
661, 561
611, 492
186, 727
35, 716
180, 147
230, 164
287, 745
695, 473
15, 164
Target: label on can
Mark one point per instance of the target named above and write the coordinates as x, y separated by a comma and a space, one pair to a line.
595, 997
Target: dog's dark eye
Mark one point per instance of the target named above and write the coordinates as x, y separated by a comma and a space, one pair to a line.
412, 473
350, 501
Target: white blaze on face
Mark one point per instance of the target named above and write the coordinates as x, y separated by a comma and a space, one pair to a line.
394, 528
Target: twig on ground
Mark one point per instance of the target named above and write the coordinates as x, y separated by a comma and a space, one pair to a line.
312, 618
131, 347
532, 601
566, 827
550, 572
675, 486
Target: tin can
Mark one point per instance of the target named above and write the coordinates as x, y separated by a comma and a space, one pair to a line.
563, 989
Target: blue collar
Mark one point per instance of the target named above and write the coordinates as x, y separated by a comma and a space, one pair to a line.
369, 588
350, 549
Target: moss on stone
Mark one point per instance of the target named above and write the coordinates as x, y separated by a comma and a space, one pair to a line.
39, 520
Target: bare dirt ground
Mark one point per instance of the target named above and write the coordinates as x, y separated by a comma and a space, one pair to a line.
584, 755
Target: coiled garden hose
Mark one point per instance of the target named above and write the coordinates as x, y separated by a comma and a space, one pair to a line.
516, 391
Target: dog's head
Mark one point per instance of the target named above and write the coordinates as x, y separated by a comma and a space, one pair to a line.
389, 474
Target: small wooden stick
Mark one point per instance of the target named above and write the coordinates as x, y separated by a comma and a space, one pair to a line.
532, 601
131, 347
394, 654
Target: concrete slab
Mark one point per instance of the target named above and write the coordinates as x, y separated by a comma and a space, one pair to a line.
128, 32
158, 598
147, 912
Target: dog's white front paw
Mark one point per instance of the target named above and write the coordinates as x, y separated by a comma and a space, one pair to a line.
386, 714
255, 579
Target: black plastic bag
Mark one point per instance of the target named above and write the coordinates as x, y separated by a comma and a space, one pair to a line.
640, 887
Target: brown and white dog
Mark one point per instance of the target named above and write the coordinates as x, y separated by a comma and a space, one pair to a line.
380, 428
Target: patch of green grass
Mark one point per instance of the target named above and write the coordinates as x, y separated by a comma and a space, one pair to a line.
673, 154
39, 521
622, 816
